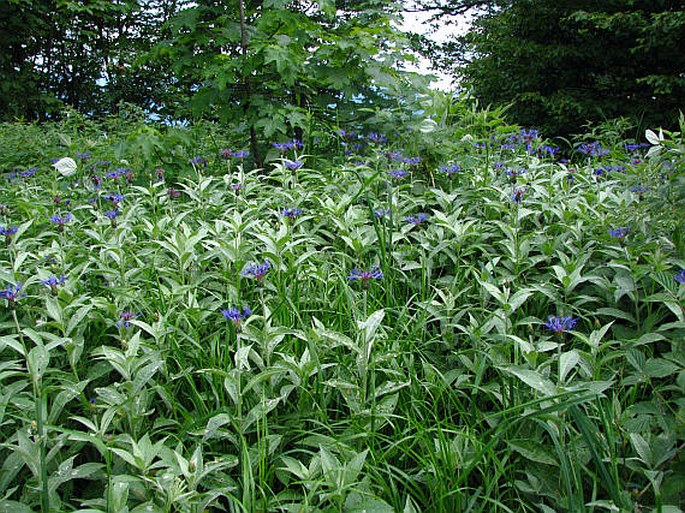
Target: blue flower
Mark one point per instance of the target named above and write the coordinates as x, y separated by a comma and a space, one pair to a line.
288, 146
398, 174
235, 315
381, 212
680, 276
83, 156
197, 161
450, 169
417, 219
365, 276
291, 213
115, 199
294, 165
53, 281
377, 138
61, 221
514, 173
125, 319
517, 195
257, 271
560, 324
619, 233
112, 214
7, 232
11, 293
593, 149
412, 161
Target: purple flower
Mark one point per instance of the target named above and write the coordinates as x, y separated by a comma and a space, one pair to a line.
125, 319
28, 173
288, 146
112, 215
61, 221
7, 232
550, 150
398, 174
115, 199
619, 233
377, 138
381, 212
412, 161
366, 275
197, 161
235, 315
417, 219
53, 281
294, 165
517, 195
241, 154
450, 169
83, 156
680, 276
593, 149
257, 271
237, 187
514, 173
173, 193
11, 293
560, 324
291, 213
393, 155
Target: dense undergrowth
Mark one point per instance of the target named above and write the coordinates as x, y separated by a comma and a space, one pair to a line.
410, 322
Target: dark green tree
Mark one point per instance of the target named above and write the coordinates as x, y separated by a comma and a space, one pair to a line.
562, 64
274, 65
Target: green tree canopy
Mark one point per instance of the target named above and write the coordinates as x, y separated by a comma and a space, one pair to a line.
562, 64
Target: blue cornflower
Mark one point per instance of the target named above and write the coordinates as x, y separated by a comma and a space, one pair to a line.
115, 199
7, 232
257, 271
365, 276
53, 281
294, 165
398, 174
550, 150
112, 215
291, 213
450, 169
393, 155
619, 233
28, 173
528, 136
61, 221
412, 161
680, 276
288, 146
593, 149
237, 187
197, 161
11, 293
560, 324
83, 156
381, 212
377, 138
507, 146
125, 319
240, 154
514, 173
479, 145
639, 189
517, 195
235, 315
417, 219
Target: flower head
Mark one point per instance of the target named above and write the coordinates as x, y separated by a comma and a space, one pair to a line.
517, 195
173, 193
53, 281
235, 315
257, 271
125, 319
61, 221
593, 149
291, 213
680, 276
619, 233
560, 324
381, 212
366, 275
7, 232
288, 146
112, 215
294, 165
398, 174
417, 219
11, 293
450, 169
197, 161
115, 199
83, 156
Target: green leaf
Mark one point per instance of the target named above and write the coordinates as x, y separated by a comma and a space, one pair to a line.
534, 451
533, 379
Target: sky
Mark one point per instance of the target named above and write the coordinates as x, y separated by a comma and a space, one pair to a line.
417, 22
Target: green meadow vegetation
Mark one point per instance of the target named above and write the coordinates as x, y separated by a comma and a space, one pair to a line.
440, 312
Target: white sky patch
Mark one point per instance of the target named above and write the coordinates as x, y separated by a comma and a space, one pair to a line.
417, 22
